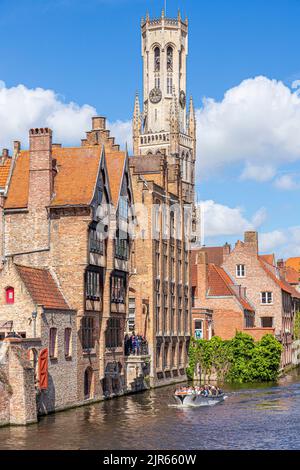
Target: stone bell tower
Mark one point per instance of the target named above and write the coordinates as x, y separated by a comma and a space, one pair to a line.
164, 125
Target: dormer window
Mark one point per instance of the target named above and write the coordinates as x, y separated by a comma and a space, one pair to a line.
10, 295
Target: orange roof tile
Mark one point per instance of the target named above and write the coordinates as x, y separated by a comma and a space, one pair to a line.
270, 259
17, 196
220, 284
294, 263
77, 174
42, 287
4, 172
292, 276
115, 162
74, 183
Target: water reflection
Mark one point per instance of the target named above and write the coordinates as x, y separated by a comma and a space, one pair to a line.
261, 417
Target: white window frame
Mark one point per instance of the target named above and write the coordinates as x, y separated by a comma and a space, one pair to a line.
266, 302
198, 329
240, 268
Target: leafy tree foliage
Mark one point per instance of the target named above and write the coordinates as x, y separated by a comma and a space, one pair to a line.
240, 359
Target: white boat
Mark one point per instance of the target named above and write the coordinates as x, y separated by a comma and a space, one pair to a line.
194, 399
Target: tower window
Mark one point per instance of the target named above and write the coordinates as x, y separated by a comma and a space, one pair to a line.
157, 82
170, 59
157, 59
169, 85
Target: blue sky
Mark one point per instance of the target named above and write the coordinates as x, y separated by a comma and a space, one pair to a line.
89, 53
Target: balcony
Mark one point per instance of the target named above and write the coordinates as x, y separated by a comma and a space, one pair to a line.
136, 345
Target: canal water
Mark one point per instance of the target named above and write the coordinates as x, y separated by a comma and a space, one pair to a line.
261, 417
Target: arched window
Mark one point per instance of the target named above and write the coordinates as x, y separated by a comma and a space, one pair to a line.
156, 59
10, 295
170, 59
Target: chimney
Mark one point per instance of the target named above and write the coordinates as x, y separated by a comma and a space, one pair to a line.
5, 154
17, 148
202, 274
98, 123
40, 168
251, 239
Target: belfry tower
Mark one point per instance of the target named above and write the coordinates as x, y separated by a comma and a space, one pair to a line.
164, 125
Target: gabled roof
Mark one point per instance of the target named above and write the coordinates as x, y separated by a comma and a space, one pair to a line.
4, 171
42, 287
221, 285
74, 183
280, 282
115, 163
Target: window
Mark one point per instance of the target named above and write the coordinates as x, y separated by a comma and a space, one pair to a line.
266, 298
114, 337
2, 335
157, 59
240, 270
122, 245
68, 335
96, 241
118, 289
88, 333
267, 322
131, 314
10, 295
248, 320
170, 59
93, 284
198, 329
169, 85
53, 343
123, 208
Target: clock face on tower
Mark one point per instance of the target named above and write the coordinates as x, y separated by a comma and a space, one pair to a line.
155, 95
182, 99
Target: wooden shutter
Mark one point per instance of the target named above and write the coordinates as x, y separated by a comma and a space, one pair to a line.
43, 369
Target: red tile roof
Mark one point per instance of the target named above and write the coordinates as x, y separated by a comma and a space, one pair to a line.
75, 181
221, 285
4, 171
280, 282
294, 263
292, 276
42, 287
270, 259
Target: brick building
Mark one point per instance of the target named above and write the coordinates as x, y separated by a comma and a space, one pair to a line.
275, 301
66, 253
163, 172
220, 306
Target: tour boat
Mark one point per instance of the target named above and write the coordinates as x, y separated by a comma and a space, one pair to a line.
194, 399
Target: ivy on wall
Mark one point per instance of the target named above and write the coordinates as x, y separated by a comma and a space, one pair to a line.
238, 360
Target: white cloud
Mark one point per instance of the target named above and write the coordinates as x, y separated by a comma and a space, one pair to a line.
285, 242
122, 131
219, 220
257, 124
258, 173
22, 108
287, 183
